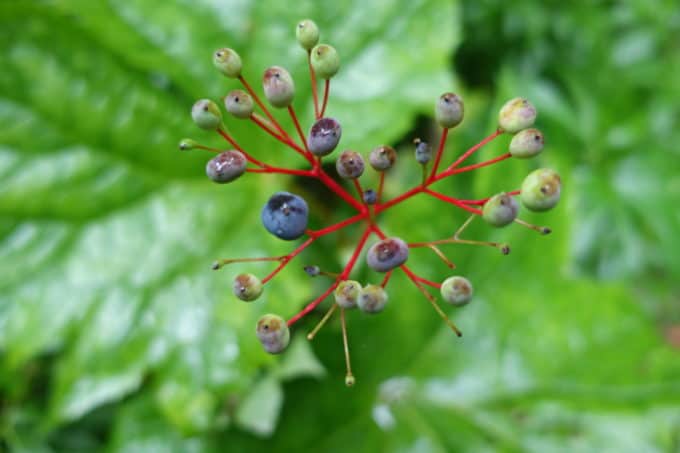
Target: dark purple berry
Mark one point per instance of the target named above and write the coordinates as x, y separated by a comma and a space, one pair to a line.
285, 216
226, 166
423, 151
370, 196
324, 136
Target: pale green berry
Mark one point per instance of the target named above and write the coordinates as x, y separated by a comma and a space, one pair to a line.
307, 34
186, 144
228, 62
382, 157
526, 143
279, 88
500, 210
206, 114
449, 110
247, 287
541, 189
372, 299
325, 61
350, 380
239, 103
347, 293
516, 114
456, 290
273, 333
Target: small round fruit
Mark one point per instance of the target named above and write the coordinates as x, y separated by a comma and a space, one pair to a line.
278, 85
186, 144
206, 114
325, 61
541, 189
527, 143
449, 110
312, 271
239, 103
500, 210
228, 62
350, 165
423, 151
273, 333
324, 136
347, 293
372, 299
387, 254
226, 166
307, 34
370, 196
516, 114
456, 290
285, 215
247, 287
382, 157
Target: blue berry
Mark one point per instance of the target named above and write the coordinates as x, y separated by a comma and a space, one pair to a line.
423, 151
324, 136
387, 254
370, 196
372, 299
285, 215
350, 165
273, 333
226, 166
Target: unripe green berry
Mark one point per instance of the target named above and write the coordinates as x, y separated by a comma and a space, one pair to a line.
382, 158
449, 110
247, 287
526, 143
423, 151
347, 293
500, 210
206, 114
279, 88
239, 103
226, 166
228, 62
456, 290
516, 114
186, 144
350, 380
273, 333
325, 61
541, 189
307, 34
372, 299
350, 165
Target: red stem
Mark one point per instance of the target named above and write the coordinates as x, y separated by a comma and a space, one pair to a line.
312, 78
470, 151
360, 191
455, 171
440, 152
326, 90
453, 201
386, 279
288, 258
285, 171
338, 226
251, 159
482, 201
342, 193
264, 109
258, 120
381, 184
428, 282
291, 111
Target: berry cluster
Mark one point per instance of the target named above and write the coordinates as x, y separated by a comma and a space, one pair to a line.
286, 215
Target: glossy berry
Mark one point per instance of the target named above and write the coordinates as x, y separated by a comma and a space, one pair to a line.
226, 167
372, 299
500, 210
516, 114
247, 287
350, 165
186, 144
370, 196
541, 190
382, 157
527, 143
239, 103
449, 110
325, 61
387, 254
278, 85
273, 333
285, 215
324, 136
228, 62
206, 114
307, 34
347, 293
456, 290
423, 151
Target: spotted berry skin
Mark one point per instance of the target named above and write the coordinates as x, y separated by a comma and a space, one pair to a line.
247, 287
350, 165
347, 293
449, 110
387, 254
228, 62
285, 215
541, 190
206, 114
516, 114
324, 136
372, 299
382, 158
278, 86
500, 210
457, 290
273, 333
325, 61
226, 167
239, 103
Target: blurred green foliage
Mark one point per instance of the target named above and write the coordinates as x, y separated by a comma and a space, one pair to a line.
116, 336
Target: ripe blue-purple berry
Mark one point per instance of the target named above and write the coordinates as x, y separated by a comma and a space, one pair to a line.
285, 215
273, 333
347, 293
325, 61
382, 157
527, 143
226, 166
239, 103
541, 190
449, 110
324, 136
370, 196
307, 34
228, 62
278, 85
350, 165
206, 114
456, 290
247, 287
423, 151
387, 254
500, 210
372, 299
516, 114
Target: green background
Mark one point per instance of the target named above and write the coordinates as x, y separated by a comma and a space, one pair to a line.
116, 336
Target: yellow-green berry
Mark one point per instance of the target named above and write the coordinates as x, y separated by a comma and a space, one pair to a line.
515, 115
307, 34
247, 287
541, 190
273, 333
239, 103
449, 110
456, 290
347, 293
206, 114
228, 62
325, 61
372, 299
500, 210
279, 88
527, 143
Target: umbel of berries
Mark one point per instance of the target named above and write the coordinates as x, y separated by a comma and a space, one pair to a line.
358, 179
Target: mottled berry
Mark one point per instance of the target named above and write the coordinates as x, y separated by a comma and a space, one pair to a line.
372, 299
423, 151
206, 114
325, 61
541, 190
278, 85
387, 254
186, 144
350, 165
449, 110
347, 293
324, 136
500, 210
516, 114
527, 143
239, 103
247, 287
226, 166
370, 196
285, 215
382, 157
456, 290
228, 62
307, 34
273, 333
